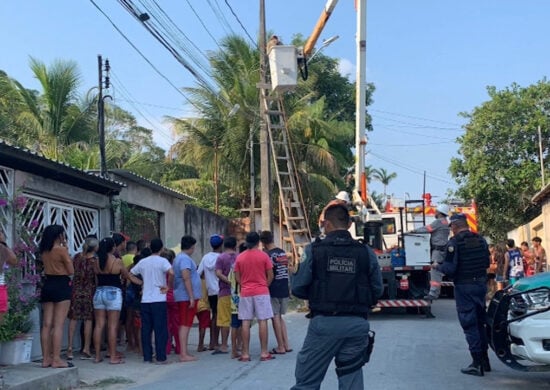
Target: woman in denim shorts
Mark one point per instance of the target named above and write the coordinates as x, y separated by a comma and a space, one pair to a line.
108, 297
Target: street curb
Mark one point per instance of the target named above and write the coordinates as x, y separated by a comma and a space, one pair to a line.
33, 377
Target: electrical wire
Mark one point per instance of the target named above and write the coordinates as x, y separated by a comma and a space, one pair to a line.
410, 145
176, 35
203, 24
132, 9
408, 168
418, 124
144, 57
389, 128
125, 93
221, 17
152, 105
241, 24
415, 117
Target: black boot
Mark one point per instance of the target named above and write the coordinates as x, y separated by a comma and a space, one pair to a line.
475, 368
485, 362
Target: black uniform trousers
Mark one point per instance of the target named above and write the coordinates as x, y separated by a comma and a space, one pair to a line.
470, 307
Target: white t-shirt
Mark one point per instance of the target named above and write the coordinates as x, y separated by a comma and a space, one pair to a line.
153, 270
208, 266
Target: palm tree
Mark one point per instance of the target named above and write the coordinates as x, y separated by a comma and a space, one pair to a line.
55, 118
217, 145
215, 142
383, 176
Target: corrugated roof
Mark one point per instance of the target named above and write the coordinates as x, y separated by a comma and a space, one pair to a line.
26, 160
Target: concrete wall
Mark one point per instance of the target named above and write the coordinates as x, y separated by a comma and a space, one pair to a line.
201, 224
539, 226
171, 209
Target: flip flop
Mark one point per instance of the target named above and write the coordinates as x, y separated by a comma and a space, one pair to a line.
70, 355
275, 352
119, 361
219, 352
69, 365
203, 349
85, 356
244, 359
289, 350
266, 358
98, 361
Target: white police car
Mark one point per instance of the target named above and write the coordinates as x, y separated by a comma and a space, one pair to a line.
519, 324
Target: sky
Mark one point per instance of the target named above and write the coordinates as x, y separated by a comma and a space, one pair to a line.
428, 59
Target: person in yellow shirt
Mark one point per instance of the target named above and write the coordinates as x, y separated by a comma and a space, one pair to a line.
131, 251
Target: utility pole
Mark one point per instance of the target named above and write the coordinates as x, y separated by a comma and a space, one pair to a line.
101, 113
360, 99
252, 214
265, 155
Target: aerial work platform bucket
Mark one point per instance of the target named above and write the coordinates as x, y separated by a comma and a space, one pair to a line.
283, 65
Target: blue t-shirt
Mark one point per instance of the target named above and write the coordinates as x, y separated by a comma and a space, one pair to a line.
182, 262
516, 263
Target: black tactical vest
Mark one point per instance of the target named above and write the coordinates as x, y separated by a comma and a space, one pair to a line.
473, 257
340, 277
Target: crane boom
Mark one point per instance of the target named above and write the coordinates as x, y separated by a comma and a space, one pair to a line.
325, 15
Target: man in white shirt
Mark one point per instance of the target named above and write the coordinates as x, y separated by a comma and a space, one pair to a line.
207, 269
154, 270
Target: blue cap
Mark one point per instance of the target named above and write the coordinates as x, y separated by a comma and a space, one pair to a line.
457, 217
216, 240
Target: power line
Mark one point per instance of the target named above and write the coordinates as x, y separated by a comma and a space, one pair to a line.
408, 168
203, 24
221, 17
173, 32
143, 56
124, 91
418, 124
414, 117
411, 145
239, 21
153, 105
139, 16
450, 140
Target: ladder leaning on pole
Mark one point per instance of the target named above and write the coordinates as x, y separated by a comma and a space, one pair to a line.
297, 234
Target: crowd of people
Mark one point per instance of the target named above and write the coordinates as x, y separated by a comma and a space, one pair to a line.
509, 263
144, 296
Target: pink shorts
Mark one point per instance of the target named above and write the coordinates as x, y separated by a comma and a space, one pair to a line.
3, 298
258, 306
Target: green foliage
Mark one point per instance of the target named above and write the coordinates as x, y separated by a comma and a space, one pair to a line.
137, 222
13, 325
499, 165
21, 279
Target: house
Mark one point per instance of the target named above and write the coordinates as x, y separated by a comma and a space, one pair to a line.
538, 226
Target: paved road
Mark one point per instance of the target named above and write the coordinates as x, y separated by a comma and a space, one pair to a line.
411, 352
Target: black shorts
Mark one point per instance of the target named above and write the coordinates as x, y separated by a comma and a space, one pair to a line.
213, 301
56, 288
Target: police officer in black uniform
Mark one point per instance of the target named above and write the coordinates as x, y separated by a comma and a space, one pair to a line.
341, 279
466, 262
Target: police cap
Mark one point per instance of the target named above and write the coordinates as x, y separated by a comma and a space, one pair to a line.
457, 217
